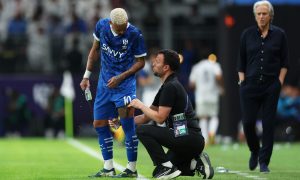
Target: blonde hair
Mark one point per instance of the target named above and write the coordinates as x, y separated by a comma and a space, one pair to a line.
212, 57
118, 16
264, 2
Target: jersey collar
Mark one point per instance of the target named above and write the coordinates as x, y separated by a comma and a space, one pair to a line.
113, 32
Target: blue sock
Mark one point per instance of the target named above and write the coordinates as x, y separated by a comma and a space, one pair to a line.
131, 140
105, 141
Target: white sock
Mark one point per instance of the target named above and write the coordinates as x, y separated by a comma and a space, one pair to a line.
213, 125
108, 164
203, 126
131, 165
168, 164
193, 164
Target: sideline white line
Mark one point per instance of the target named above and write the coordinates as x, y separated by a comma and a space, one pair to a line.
95, 154
235, 147
246, 175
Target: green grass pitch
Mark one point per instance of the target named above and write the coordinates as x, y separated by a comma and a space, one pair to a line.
38, 158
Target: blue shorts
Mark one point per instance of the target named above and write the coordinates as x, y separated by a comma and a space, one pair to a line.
107, 102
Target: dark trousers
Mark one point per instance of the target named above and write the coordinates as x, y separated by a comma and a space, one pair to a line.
181, 150
256, 95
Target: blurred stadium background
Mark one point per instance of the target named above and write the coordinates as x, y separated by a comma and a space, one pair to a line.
39, 40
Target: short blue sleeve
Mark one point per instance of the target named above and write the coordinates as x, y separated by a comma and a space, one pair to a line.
97, 29
139, 49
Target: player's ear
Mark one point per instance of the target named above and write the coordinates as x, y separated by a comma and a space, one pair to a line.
166, 67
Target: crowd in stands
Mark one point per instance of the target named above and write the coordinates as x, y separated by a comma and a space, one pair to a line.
47, 36
50, 36
289, 103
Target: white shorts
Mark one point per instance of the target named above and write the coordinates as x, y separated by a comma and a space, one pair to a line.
207, 109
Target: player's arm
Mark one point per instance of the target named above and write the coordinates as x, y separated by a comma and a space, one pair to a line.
284, 60
143, 119
92, 58
241, 77
220, 82
93, 55
282, 75
241, 65
139, 64
158, 115
192, 81
192, 85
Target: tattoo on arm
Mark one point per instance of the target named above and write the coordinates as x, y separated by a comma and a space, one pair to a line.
93, 55
139, 64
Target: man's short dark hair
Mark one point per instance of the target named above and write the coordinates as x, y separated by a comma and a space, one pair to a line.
171, 58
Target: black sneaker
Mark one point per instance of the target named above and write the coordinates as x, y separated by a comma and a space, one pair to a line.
264, 168
127, 173
253, 161
104, 173
166, 173
204, 167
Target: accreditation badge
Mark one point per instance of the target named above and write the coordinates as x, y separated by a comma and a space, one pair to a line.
180, 125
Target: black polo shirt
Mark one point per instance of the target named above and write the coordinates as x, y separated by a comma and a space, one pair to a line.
260, 56
172, 94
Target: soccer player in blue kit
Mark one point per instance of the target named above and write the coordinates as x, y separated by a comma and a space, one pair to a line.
122, 49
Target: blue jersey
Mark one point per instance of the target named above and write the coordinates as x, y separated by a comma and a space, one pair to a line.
118, 53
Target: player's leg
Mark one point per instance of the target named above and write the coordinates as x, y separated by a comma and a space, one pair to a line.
213, 122
201, 111
212, 129
204, 127
104, 110
127, 120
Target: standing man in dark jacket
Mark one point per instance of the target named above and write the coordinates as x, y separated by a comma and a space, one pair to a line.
262, 66
182, 134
